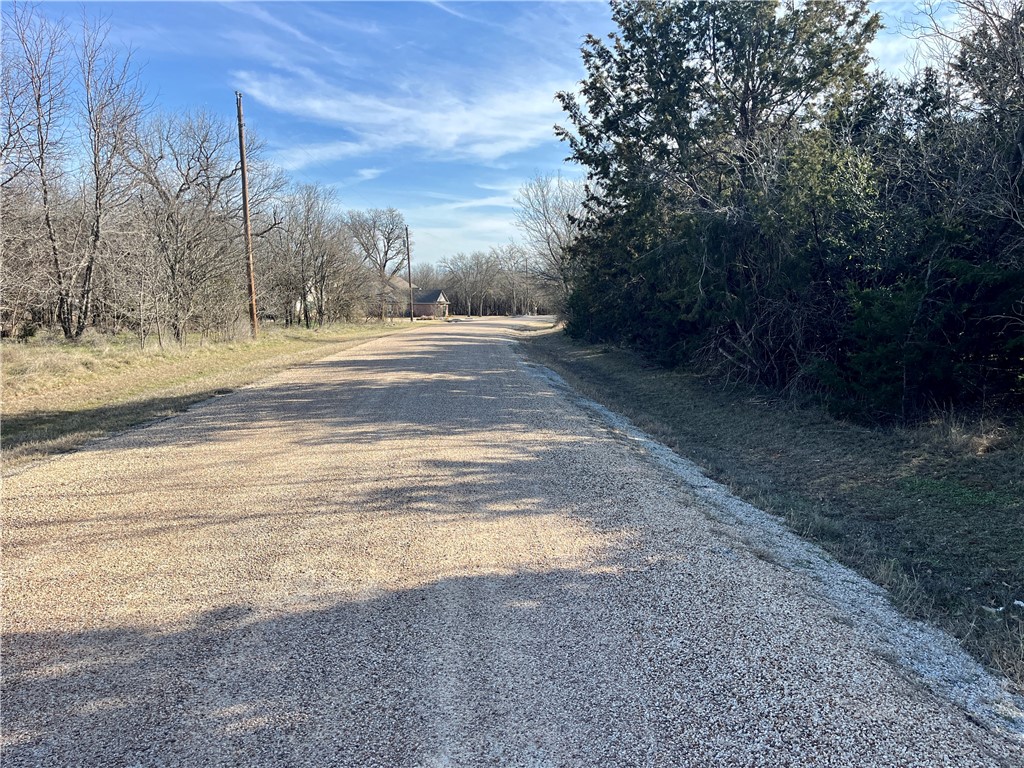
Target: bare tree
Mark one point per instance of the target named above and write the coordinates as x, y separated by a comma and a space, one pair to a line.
24, 270
16, 97
379, 236
191, 175
310, 263
190, 193
549, 211
350, 287
277, 263
473, 278
427, 275
514, 276
41, 47
41, 101
110, 109
322, 241
26, 289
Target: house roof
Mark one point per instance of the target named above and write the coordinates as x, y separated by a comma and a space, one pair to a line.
435, 296
398, 284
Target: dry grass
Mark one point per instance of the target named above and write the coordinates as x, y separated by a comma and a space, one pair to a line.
57, 396
935, 514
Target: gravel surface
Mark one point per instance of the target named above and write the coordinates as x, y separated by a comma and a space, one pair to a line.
425, 552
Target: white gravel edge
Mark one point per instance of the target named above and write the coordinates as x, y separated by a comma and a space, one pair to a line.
930, 655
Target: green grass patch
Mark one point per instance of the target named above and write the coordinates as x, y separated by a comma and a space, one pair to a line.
58, 395
935, 514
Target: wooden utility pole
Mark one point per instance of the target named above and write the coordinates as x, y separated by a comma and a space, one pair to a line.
408, 264
253, 319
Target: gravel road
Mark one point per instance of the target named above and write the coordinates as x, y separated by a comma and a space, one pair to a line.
420, 552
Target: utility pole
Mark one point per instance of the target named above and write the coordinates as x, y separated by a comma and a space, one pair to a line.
253, 319
408, 264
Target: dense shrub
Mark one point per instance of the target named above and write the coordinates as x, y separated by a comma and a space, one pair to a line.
764, 206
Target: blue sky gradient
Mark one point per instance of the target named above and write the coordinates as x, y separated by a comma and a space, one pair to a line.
440, 109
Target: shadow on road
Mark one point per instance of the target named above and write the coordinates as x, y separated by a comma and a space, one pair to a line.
372, 682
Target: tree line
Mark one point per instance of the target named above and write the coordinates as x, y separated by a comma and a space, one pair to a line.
765, 206
118, 217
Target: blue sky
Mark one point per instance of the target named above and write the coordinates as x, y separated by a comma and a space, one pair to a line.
440, 109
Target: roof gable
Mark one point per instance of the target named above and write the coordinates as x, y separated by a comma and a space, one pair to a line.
431, 297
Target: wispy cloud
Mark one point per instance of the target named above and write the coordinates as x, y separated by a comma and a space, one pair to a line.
304, 155
333, 21
510, 187
447, 9
261, 47
152, 38
908, 41
264, 16
493, 201
291, 51
552, 30
468, 231
368, 174
428, 100
463, 223
484, 125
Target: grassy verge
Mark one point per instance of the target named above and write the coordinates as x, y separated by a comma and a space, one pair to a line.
934, 514
57, 396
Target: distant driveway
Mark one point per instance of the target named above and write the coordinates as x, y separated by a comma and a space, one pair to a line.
420, 553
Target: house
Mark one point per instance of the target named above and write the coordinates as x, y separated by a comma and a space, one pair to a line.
393, 298
430, 304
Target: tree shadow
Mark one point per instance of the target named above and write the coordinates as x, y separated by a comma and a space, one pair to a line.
578, 666
59, 430
45, 427
406, 678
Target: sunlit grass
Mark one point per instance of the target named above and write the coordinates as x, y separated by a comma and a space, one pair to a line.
57, 395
